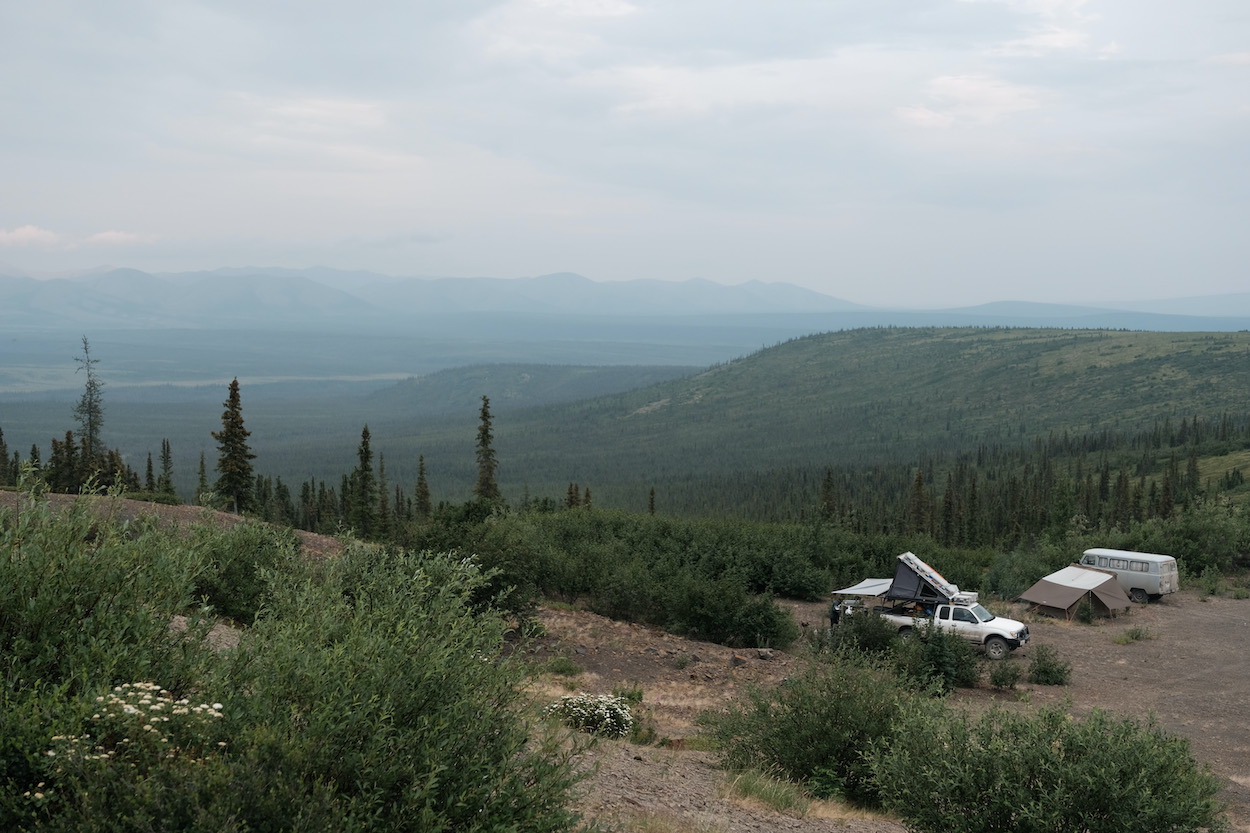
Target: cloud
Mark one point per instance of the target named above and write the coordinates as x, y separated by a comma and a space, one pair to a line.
114, 238
1232, 59
1046, 39
29, 237
971, 99
34, 237
588, 8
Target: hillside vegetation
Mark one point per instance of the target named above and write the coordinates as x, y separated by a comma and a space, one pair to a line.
754, 435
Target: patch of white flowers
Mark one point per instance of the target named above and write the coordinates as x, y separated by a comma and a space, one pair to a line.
601, 714
138, 717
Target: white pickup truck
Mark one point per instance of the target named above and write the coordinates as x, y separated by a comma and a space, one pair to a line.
918, 595
997, 635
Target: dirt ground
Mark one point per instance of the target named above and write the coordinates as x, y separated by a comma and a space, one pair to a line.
1193, 674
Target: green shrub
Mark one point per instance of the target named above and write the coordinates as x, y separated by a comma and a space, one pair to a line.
86, 602
237, 563
603, 714
369, 695
1212, 582
1134, 634
1046, 668
864, 632
562, 666
381, 691
721, 610
1015, 772
630, 694
814, 727
1005, 674
934, 656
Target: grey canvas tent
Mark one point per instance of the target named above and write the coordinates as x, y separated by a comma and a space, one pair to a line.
1059, 593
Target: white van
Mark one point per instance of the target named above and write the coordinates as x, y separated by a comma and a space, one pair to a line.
1143, 576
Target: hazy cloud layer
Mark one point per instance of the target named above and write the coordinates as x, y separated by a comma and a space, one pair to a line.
921, 152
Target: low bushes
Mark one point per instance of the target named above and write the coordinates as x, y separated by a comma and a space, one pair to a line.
855, 729
368, 695
814, 728
1011, 772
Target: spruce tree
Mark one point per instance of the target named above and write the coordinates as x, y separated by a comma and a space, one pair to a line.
421, 497
234, 463
165, 483
89, 412
384, 525
201, 485
486, 488
362, 506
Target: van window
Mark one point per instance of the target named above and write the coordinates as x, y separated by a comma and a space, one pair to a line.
1102, 561
1119, 563
1139, 566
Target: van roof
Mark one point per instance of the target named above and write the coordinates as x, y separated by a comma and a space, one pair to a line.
1140, 556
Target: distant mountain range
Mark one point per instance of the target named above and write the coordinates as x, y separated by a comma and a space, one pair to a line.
321, 298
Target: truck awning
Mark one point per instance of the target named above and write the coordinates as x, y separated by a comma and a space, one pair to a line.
867, 587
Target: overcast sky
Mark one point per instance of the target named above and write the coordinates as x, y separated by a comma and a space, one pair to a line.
891, 152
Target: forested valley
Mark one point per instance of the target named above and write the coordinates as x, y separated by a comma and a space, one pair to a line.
799, 508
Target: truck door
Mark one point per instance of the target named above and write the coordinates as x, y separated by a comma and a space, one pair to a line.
961, 621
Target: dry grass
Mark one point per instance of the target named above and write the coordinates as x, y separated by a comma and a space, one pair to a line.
656, 821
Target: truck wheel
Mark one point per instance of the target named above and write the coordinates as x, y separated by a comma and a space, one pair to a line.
996, 648
1138, 595
904, 632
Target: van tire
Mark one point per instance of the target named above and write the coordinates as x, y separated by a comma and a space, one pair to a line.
996, 648
1138, 595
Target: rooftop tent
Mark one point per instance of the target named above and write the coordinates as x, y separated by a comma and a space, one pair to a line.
1059, 593
916, 580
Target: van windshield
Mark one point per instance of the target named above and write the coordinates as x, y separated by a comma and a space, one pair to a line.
981, 613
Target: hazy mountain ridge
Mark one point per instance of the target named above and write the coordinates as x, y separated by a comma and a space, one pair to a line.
322, 297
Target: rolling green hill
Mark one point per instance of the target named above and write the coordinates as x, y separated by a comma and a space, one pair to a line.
887, 395
783, 415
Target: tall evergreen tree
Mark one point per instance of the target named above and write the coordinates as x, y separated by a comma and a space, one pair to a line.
384, 526
362, 506
5, 478
201, 484
421, 497
165, 483
89, 412
149, 479
234, 463
486, 488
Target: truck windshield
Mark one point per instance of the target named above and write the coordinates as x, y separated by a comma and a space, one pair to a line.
981, 613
